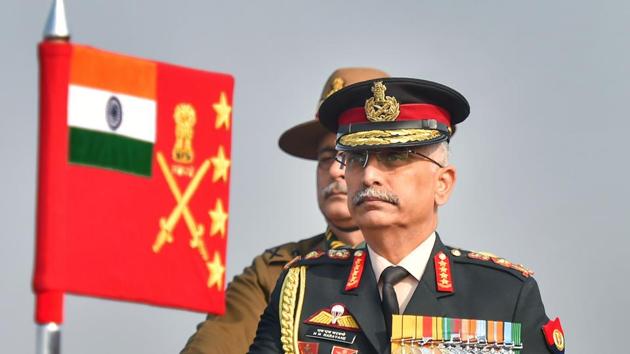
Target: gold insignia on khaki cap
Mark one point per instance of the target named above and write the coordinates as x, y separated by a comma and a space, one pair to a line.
302, 140
337, 84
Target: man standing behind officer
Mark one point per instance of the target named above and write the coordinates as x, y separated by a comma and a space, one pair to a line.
393, 136
248, 293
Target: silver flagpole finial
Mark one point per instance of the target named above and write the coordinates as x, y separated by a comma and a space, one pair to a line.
56, 25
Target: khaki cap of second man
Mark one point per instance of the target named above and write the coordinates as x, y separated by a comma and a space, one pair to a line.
302, 139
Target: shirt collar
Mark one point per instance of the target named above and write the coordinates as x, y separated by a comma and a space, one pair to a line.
415, 262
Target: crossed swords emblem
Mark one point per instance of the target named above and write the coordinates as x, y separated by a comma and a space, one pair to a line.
167, 225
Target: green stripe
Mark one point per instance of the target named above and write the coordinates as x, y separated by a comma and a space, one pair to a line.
88, 147
448, 328
516, 335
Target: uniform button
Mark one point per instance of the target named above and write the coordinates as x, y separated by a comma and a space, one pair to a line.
456, 253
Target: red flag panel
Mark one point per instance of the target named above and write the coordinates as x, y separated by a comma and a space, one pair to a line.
158, 239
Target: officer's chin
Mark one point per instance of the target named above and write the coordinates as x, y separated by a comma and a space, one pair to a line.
373, 215
336, 209
336, 197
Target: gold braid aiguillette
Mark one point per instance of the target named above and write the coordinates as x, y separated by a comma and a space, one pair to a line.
288, 295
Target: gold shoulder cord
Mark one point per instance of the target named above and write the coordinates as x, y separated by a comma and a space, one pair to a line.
289, 315
298, 312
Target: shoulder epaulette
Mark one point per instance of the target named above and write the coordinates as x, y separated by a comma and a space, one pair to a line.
281, 253
489, 260
292, 262
338, 256
287, 251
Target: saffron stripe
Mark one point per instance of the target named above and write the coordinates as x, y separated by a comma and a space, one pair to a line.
113, 72
499, 331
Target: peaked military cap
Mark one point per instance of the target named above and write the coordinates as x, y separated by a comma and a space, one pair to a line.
393, 112
302, 139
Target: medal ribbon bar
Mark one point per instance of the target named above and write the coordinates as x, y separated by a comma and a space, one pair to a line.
420, 334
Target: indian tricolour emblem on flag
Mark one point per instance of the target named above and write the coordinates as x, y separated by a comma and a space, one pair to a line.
112, 111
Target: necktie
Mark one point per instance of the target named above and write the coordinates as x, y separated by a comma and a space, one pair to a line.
390, 277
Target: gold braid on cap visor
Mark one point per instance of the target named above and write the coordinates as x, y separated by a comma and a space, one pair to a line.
386, 137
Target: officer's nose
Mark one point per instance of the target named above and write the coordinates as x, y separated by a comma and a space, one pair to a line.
336, 171
371, 173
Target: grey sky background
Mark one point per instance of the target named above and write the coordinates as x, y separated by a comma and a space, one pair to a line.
542, 159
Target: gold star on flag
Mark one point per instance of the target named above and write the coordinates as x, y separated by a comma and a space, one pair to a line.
223, 110
216, 269
221, 165
219, 218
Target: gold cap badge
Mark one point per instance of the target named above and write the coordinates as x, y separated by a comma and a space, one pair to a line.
336, 85
381, 108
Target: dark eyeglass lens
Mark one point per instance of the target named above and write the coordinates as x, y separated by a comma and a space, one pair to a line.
393, 156
354, 159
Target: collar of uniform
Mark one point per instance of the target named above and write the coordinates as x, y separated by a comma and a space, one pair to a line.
415, 262
333, 242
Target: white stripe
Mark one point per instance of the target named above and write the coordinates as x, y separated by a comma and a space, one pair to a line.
87, 109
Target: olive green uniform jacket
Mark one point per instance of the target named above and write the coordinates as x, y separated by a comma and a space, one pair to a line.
247, 297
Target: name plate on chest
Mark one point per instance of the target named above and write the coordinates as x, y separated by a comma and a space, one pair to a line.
331, 334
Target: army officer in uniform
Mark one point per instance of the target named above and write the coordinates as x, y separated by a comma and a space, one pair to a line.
393, 137
248, 293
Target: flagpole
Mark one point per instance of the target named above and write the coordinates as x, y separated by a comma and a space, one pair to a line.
48, 333
48, 339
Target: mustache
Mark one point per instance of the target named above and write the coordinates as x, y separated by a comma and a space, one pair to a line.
334, 188
372, 192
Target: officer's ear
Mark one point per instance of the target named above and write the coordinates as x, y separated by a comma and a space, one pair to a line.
445, 181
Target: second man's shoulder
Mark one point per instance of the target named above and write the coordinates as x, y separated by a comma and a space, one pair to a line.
288, 251
334, 257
